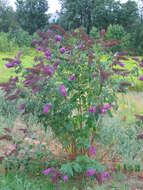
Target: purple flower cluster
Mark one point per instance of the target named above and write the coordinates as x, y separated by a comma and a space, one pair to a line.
92, 109
105, 176
65, 178
81, 46
58, 38
90, 172
101, 177
48, 70
47, 171
62, 50
72, 77
122, 64
15, 62
63, 90
105, 108
47, 108
55, 175
48, 54
137, 58
57, 64
92, 150
39, 48
141, 78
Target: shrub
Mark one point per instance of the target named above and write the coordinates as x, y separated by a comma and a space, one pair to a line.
70, 90
94, 33
36, 36
6, 45
117, 32
21, 38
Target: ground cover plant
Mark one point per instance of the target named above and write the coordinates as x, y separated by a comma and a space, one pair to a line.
70, 90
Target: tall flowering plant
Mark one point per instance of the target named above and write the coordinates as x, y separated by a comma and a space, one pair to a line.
70, 89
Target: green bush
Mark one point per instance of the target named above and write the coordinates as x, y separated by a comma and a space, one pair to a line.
35, 36
94, 33
21, 38
6, 45
117, 32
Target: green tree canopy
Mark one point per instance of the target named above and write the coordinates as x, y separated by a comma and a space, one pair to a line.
98, 13
7, 17
32, 14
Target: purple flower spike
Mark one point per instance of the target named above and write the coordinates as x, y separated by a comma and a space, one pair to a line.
91, 172
137, 58
65, 178
72, 77
57, 64
21, 107
48, 57
19, 54
16, 62
63, 90
14, 79
103, 111
105, 176
35, 89
9, 65
58, 38
92, 150
48, 54
62, 50
107, 106
141, 78
39, 48
92, 109
47, 171
47, 107
122, 64
50, 71
81, 46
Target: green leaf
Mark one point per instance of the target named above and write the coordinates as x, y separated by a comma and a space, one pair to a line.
77, 167
67, 169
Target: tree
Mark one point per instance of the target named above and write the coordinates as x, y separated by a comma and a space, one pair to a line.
7, 17
106, 13
140, 6
77, 13
32, 14
98, 13
129, 15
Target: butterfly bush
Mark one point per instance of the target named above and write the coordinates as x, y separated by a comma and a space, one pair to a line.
70, 89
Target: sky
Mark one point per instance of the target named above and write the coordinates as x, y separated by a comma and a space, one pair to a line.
53, 5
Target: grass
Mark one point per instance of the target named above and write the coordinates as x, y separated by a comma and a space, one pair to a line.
25, 182
129, 105
22, 181
5, 74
